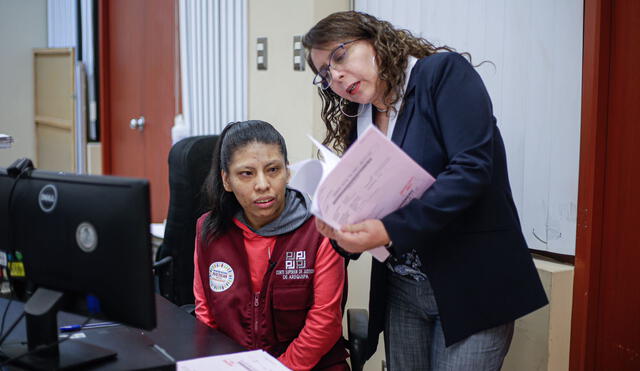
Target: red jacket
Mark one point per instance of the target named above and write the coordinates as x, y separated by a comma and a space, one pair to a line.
274, 316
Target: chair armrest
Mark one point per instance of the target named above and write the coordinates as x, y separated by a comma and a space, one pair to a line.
162, 262
358, 324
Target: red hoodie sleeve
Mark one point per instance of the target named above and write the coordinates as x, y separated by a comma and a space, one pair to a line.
202, 309
323, 326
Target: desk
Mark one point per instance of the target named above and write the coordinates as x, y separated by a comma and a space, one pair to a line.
179, 333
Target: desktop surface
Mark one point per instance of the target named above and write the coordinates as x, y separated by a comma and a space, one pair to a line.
178, 333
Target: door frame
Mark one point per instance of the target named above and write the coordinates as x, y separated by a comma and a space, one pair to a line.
104, 55
593, 154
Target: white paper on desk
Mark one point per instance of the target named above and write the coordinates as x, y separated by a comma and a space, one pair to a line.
255, 360
374, 178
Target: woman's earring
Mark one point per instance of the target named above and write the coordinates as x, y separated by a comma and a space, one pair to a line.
360, 109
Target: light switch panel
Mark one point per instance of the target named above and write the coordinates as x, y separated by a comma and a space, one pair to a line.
298, 54
261, 50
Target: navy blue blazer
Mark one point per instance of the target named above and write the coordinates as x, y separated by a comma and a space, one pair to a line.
465, 228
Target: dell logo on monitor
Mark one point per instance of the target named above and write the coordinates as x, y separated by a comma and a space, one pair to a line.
48, 198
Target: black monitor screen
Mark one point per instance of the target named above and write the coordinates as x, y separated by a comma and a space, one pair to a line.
85, 236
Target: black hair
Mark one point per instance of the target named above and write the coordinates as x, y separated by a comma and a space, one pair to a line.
223, 205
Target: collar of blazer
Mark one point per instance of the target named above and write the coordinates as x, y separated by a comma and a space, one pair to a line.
407, 107
403, 119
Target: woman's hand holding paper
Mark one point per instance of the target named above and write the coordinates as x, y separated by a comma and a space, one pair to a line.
359, 237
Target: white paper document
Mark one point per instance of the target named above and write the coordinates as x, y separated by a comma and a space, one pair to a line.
255, 360
373, 179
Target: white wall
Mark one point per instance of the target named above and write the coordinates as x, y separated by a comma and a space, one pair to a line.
23, 26
279, 95
536, 46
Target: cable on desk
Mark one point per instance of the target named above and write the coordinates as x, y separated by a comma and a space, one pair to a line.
13, 325
4, 316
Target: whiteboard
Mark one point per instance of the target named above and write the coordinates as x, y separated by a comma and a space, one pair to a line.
535, 86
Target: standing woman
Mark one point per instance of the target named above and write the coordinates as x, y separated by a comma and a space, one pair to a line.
460, 272
263, 274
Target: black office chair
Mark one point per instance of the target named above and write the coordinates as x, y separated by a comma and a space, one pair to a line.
357, 323
189, 164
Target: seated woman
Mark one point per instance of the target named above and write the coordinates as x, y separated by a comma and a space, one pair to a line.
263, 274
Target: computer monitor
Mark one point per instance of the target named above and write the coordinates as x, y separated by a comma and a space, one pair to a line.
84, 236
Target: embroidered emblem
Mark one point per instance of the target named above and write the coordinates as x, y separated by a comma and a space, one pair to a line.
295, 260
295, 266
220, 276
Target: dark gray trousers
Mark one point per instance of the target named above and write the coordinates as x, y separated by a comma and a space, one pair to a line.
414, 339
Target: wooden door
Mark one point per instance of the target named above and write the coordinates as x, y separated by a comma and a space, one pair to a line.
138, 73
606, 310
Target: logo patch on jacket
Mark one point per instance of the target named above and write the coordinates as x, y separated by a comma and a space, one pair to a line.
295, 260
220, 276
295, 264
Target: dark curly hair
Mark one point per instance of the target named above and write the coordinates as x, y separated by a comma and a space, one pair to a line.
392, 46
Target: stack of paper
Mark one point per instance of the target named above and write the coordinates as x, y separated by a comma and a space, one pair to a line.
5, 141
373, 178
256, 360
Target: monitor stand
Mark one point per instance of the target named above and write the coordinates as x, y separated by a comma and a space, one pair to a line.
42, 329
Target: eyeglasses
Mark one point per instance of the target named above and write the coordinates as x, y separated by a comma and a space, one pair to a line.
337, 57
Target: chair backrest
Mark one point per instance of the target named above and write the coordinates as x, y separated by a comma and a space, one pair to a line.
189, 164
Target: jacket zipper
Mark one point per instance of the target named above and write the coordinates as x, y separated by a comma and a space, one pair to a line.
256, 305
